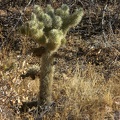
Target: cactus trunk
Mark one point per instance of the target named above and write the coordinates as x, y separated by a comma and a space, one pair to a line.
46, 79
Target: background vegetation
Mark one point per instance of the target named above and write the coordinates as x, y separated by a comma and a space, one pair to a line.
87, 75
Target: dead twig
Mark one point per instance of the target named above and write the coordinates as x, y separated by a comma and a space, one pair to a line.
103, 24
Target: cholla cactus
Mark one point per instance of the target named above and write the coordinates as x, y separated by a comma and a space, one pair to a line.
48, 28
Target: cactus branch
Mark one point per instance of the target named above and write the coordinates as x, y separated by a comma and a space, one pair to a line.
72, 20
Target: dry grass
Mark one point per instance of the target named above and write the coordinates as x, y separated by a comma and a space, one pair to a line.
85, 96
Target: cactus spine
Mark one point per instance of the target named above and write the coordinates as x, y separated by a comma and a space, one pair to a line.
49, 27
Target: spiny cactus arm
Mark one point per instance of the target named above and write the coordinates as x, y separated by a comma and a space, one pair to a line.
50, 11
57, 22
46, 19
63, 12
38, 11
65, 8
55, 37
34, 29
72, 20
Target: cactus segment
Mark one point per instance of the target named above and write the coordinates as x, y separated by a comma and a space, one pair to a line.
38, 35
57, 22
43, 40
40, 26
63, 12
49, 10
72, 20
63, 41
55, 37
33, 17
65, 8
76, 17
33, 28
47, 20
37, 10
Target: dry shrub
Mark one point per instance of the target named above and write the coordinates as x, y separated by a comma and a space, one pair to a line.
85, 96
